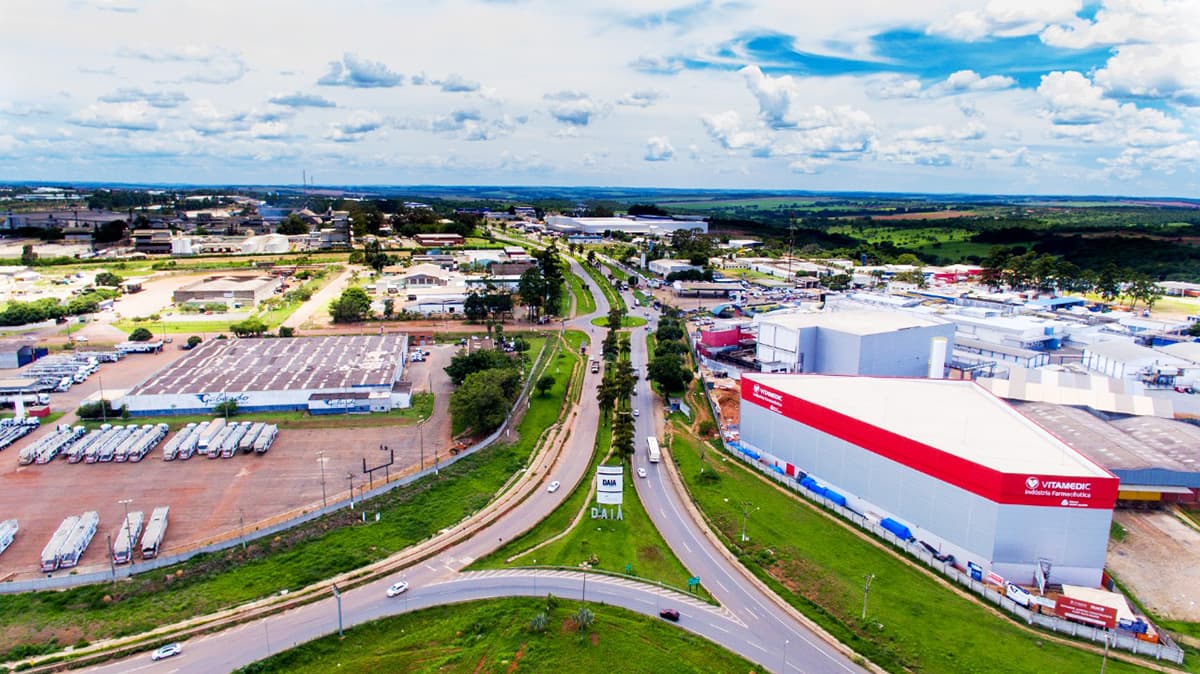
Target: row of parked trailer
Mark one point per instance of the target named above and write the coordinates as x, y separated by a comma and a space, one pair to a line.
50, 446
70, 541
12, 430
218, 438
117, 443
60, 372
125, 540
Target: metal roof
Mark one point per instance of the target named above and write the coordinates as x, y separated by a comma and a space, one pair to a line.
858, 322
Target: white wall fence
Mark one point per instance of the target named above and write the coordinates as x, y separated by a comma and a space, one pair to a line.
1166, 649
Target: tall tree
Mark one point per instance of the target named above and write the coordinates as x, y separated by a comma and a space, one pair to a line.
353, 306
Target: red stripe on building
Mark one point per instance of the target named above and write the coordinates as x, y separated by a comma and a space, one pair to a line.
1071, 491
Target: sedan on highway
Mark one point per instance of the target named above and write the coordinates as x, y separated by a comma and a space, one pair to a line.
553, 486
635, 412
166, 651
398, 589
641, 472
669, 614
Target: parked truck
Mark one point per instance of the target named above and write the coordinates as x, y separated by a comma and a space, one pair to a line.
56, 542
246, 444
215, 427
8, 532
79, 540
156, 530
189, 445
174, 445
265, 439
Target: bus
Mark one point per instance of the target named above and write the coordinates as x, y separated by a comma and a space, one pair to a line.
652, 451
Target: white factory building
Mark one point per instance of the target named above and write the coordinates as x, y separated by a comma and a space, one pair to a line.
859, 342
643, 225
945, 462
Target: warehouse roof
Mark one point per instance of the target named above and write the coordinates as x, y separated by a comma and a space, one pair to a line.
858, 322
302, 363
958, 417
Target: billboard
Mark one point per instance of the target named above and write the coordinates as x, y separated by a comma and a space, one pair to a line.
608, 485
1086, 612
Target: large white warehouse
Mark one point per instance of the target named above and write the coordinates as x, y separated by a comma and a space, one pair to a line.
322, 375
964, 471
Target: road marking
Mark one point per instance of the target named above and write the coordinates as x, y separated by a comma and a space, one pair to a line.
755, 644
718, 627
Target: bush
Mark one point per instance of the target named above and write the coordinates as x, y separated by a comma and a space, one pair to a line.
229, 408
100, 410
193, 341
285, 331
140, 335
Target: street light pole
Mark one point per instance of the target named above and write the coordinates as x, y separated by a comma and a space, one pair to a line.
338, 596
866, 591
785, 646
746, 505
321, 460
103, 405
350, 476
242, 528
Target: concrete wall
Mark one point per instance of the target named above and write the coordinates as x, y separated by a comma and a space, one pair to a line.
1009, 539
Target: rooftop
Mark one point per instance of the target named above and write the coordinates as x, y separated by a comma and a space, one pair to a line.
230, 283
237, 365
855, 321
954, 416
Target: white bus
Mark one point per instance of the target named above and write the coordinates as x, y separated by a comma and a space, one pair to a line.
652, 451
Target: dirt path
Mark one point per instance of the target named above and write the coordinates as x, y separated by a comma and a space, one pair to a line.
313, 312
1159, 561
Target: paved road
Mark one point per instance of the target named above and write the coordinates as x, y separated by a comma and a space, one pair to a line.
748, 622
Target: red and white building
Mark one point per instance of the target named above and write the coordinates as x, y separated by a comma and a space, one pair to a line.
967, 473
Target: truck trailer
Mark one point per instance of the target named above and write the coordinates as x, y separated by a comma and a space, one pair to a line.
206, 437
156, 530
56, 542
265, 439
79, 540
126, 538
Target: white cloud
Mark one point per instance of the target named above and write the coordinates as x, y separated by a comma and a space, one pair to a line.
358, 73
1007, 18
355, 127
157, 99
726, 129
658, 148
1154, 71
893, 86
302, 100
135, 116
969, 80
1080, 111
1128, 22
1072, 99
640, 99
214, 65
574, 108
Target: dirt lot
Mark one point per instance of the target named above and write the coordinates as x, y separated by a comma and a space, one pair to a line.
209, 499
1159, 561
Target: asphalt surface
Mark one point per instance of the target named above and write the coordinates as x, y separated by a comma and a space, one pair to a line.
748, 622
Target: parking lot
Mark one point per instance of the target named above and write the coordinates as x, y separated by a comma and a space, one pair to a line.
209, 499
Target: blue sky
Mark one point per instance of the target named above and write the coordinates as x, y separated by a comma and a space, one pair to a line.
996, 96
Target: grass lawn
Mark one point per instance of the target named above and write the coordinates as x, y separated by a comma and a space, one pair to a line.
914, 622
422, 407
620, 274
606, 287
626, 321
495, 636
642, 297
584, 302
40, 622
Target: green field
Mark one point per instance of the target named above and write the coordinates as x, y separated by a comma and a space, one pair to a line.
495, 636
584, 302
764, 203
914, 621
41, 622
606, 287
626, 321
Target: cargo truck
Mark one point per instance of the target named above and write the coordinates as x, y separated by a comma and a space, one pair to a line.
206, 437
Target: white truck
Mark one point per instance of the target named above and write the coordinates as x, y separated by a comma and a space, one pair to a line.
126, 537
156, 530
653, 454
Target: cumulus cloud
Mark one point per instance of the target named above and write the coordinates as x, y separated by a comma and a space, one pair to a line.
959, 82
658, 148
1154, 71
657, 65
1132, 162
355, 127
19, 109
574, 108
894, 86
358, 73
1071, 98
457, 84
135, 116
1128, 22
1080, 111
1007, 18
727, 129
302, 100
157, 99
640, 99
969, 80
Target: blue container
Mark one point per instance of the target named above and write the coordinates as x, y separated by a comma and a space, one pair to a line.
835, 497
901, 531
811, 485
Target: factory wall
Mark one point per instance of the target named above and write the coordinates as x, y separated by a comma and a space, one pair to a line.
203, 403
1009, 538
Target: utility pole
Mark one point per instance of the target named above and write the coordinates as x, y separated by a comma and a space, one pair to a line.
350, 476
1104, 662
128, 532
103, 405
338, 596
746, 506
421, 439
321, 460
242, 528
112, 563
866, 591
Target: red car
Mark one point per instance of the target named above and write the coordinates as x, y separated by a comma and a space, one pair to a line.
669, 614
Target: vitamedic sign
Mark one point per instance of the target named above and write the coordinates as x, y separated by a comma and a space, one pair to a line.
608, 485
1086, 612
1010, 488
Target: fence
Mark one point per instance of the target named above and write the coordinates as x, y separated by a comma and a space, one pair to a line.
68, 580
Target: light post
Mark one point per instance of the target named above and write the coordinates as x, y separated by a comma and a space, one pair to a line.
338, 596
321, 461
350, 476
746, 506
128, 533
1104, 662
242, 528
103, 405
785, 646
866, 591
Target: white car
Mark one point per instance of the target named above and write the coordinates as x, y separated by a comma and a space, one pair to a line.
635, 413
166, 651
398, 588
641, 472
553, 486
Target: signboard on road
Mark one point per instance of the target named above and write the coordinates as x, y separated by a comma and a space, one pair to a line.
608, 485
1086, 612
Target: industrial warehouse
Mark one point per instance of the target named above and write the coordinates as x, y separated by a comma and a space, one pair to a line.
947, 462
322, 375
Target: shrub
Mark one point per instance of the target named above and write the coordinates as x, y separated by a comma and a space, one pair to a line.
140, 335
